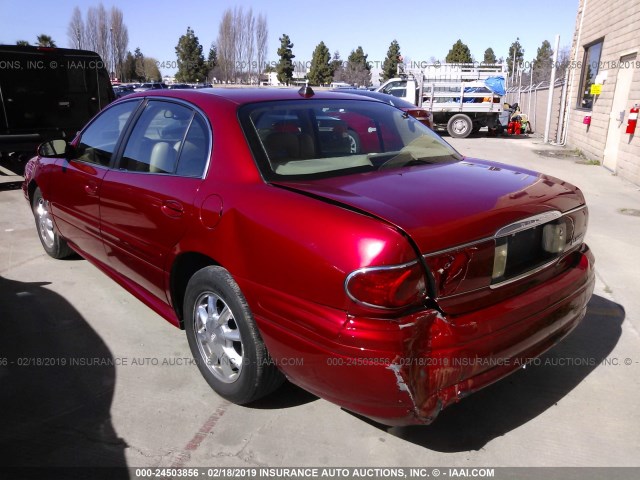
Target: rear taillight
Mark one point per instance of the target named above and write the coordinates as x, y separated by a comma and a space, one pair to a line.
464, 268
394, 286
420, 115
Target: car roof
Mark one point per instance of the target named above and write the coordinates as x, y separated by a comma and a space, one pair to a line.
241, 96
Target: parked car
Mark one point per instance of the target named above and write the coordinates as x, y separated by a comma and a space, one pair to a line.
177, 86
393, 283
122, 90
150, 86
418, 113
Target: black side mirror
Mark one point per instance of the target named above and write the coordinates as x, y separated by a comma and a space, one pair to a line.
55, 149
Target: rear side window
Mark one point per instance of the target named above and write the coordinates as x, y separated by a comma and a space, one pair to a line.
195, 149
99, 140
168, 138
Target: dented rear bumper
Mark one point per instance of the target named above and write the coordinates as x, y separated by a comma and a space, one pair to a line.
406, 371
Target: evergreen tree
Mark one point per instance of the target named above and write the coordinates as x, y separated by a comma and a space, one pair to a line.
459, 53
543, 62
191, 65
212, 60
336, 65
285, 65
489, 56
358, 70
129, 68
390, 64
45, 41
516, 49
320, 72
138, 57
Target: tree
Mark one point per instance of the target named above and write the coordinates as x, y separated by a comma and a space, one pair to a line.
226, 47
212, 61
119, 37
320, 71
285, 64
75, 30
22, 43
249, 26
103, 32
152, 73
336, 64
515, 51
191, 66
101, 36
129, 68
241, 45
564, 58
239, 37
459, 53
357, 70
489, 56
542, 63
390, 64
140, 64
91, 30
262, 32
45, 41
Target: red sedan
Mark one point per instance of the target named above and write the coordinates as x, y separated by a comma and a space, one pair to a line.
392, 281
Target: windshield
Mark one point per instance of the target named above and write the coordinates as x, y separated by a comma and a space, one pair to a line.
338, 137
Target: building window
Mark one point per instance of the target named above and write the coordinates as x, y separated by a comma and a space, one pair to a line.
590, 68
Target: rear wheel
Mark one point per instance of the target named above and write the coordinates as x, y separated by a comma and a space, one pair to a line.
224, 339
52, 242
460, 126
354, 142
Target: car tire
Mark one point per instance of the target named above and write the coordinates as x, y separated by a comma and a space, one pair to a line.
224, 339
52, 242
460, 126
354, 142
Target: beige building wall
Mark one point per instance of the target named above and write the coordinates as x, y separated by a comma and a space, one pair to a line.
617, 22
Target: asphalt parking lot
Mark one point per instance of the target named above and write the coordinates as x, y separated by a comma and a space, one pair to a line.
130, 395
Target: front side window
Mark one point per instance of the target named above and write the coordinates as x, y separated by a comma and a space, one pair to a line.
394, 86
337, 137
590, 69
99, 140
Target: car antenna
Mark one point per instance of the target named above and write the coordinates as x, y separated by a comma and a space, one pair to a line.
306, 91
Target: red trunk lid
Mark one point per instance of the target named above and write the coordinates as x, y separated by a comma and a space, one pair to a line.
444, 205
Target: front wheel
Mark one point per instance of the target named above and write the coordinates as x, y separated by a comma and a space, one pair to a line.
224, 339
460, 126
52, 242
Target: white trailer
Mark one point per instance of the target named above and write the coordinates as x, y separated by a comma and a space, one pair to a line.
456, 95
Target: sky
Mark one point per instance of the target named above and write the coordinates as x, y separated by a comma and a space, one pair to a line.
424, 29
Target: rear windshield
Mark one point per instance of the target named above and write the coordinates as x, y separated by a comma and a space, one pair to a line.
323, 138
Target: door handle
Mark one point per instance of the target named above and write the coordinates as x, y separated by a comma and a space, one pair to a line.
172, 208
91, 188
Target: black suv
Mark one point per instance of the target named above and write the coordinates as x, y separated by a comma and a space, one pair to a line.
45, 94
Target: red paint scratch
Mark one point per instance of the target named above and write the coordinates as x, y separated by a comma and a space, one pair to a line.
200, 435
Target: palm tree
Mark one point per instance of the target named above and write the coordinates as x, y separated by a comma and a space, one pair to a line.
45, 41
22, 43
